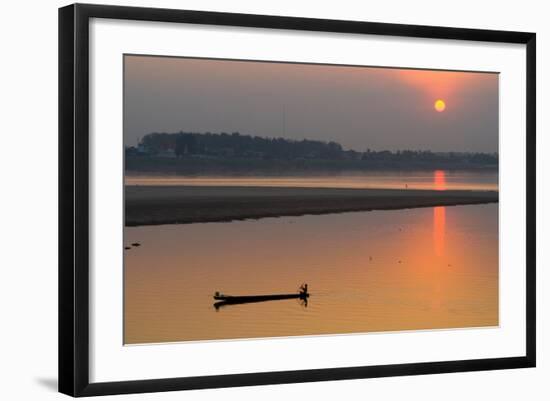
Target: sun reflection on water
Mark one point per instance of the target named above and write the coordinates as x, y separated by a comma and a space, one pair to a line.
439, 230
440, 180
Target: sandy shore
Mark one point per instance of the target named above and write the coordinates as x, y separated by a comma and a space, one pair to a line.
152, 205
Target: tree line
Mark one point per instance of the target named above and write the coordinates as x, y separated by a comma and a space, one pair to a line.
235, 145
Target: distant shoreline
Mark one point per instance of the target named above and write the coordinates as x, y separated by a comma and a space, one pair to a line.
156, 205
243, 166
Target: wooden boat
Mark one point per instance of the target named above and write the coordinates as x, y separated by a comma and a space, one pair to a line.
257, 298
242, 299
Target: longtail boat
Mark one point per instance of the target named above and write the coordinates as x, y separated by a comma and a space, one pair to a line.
242, 299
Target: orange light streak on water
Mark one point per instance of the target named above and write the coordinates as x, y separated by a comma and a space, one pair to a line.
440, 180
439, 230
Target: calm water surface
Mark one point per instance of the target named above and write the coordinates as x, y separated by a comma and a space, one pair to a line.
438, 179
367, 271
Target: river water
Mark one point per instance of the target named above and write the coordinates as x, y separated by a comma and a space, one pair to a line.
426, 268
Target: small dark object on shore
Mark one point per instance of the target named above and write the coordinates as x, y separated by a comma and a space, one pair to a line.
127, 247
136, 244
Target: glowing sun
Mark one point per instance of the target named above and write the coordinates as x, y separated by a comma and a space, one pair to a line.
439, 105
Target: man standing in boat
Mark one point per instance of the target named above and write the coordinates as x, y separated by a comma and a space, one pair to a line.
303, 289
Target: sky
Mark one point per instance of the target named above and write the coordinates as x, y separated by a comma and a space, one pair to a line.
356, 106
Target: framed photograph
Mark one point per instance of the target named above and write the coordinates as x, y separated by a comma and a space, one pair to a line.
250, 199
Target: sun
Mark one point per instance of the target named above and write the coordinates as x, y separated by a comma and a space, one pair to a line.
439, 105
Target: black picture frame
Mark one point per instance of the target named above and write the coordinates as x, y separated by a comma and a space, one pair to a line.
74, 191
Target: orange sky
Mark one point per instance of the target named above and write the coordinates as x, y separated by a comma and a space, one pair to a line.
360, 107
